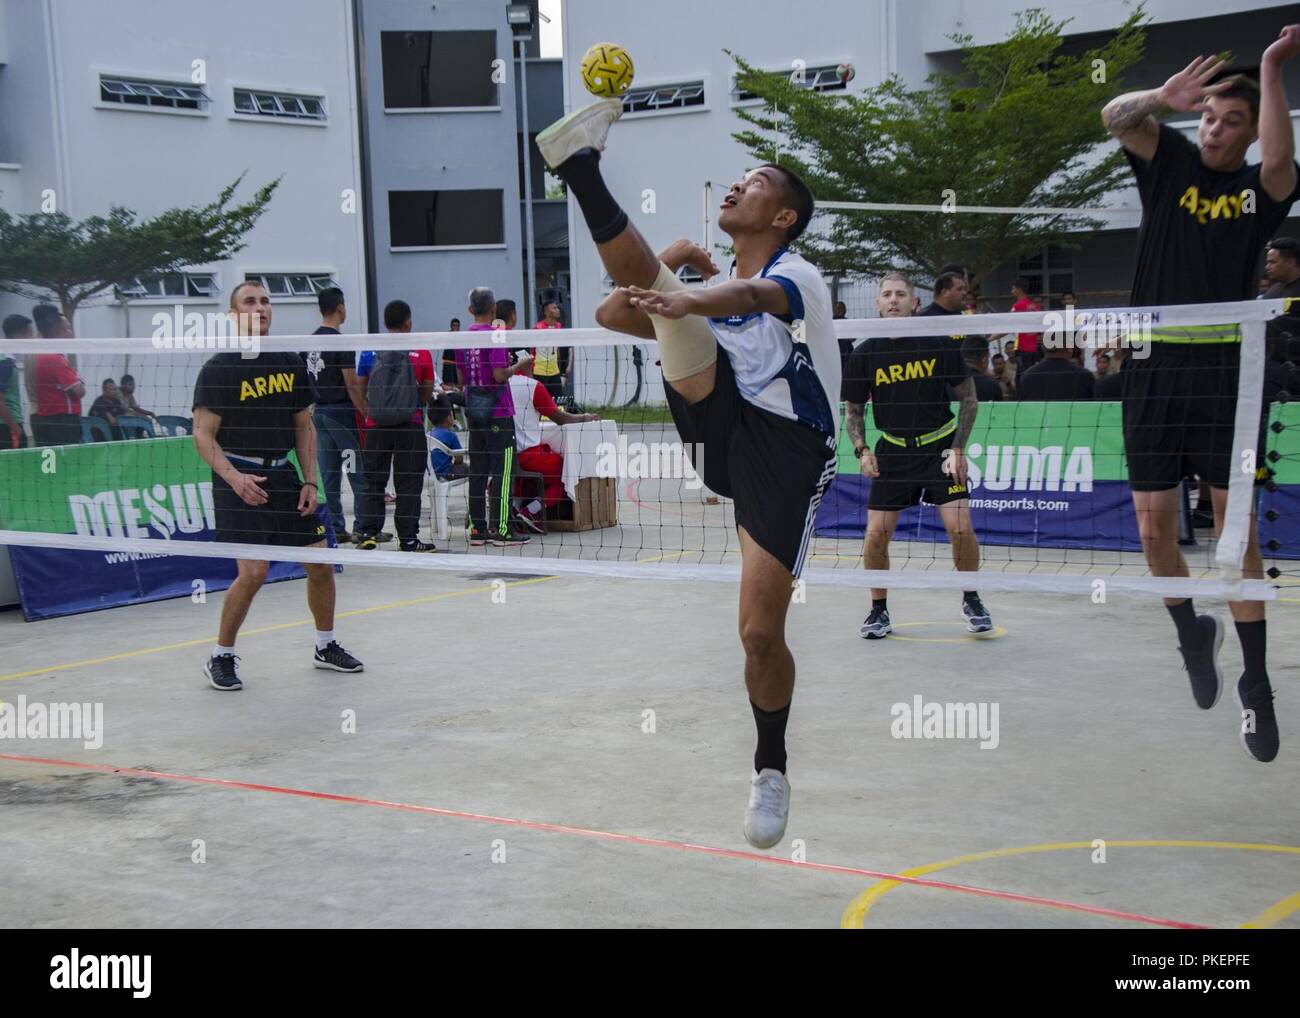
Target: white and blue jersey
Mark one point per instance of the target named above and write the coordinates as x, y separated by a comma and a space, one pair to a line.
796, 380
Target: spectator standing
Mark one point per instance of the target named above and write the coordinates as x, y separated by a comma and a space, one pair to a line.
975, 352
552, 365
394, 385
338, 444
12, 433
1027, 352
489, 411
449, 360
58, 387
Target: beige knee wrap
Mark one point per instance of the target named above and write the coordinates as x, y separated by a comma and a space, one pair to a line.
686, 345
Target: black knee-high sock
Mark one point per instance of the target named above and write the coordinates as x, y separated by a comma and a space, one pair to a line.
1184, 616
581, 172
1253, 640
771, 737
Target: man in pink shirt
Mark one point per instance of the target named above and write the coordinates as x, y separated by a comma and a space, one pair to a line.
1027, 352
489, 411
57, 420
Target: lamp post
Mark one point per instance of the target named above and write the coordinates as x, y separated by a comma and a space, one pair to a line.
520, 19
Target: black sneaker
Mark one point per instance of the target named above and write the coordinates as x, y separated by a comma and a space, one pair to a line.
1258, 720
876, 626
978, 619
343, 537
1203, 519
476, 538
1202, 662
222, 673
383, 537
417, 545
337, 659
509, 540
366, 542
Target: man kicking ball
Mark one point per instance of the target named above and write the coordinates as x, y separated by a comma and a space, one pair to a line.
921, 449
761, 419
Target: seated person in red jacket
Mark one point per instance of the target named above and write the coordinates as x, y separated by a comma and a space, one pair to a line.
532, 403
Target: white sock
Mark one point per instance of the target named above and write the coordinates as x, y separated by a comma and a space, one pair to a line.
324, 639
218, 650
534, 507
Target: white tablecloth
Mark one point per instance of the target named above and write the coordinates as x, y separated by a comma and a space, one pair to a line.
580, 445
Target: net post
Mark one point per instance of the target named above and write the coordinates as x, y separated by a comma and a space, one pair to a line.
1235, 537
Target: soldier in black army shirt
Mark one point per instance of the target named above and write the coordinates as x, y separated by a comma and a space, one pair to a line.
248, 414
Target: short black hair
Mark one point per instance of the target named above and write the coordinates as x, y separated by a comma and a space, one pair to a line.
956, 267
974, 347
329, 300
454, 321
16, 325
946, 281
1241, 87
44, 315
108, 381
396, 314
548, 303
127, 378
438, 409
505, 308
800, 199
1288, 246
1022, 284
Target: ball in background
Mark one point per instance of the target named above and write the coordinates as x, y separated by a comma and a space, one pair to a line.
607, 69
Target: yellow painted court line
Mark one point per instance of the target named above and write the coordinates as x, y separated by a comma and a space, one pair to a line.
1274, 914
412, 602
996, 633
856, 910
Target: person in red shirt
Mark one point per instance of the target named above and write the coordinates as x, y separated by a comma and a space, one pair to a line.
398, 445
1027, 352
532, 403
58, 387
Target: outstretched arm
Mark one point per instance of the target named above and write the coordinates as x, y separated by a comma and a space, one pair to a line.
1131, 117
1277, 173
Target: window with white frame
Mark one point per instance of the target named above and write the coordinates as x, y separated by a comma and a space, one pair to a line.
292, 284
142, 93
816, 79
279, 105
171, 286
656, 98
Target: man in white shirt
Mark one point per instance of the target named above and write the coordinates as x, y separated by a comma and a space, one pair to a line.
532, 402
752, 373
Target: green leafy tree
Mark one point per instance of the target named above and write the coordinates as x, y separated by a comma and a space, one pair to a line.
1016, 127
46, 254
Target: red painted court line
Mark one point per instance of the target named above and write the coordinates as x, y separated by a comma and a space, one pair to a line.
632, 839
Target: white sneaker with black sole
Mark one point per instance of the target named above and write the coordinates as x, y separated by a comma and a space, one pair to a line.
584, 128
977, 616
769, 808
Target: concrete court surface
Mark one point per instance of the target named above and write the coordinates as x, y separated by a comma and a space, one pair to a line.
534, 710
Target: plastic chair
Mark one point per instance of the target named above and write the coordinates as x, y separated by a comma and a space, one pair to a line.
438, 491
136, 427
95, 429
170, 425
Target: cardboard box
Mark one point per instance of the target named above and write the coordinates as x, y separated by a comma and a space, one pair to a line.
596, 506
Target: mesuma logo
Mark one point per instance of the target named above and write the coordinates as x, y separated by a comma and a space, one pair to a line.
1029, 468
166, 510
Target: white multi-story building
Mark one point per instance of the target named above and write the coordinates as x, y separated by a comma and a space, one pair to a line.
152, 106
677, 137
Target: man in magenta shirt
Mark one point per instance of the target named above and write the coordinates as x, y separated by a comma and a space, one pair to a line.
489, 411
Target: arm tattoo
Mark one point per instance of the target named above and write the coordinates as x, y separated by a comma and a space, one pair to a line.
1124, 113
966, 413
853, 424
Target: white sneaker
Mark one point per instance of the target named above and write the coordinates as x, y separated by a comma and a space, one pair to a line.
584, 128
769, 806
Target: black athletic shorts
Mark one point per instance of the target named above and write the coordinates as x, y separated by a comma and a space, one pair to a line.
276, 522
908, 475
774, 469
1180, 405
